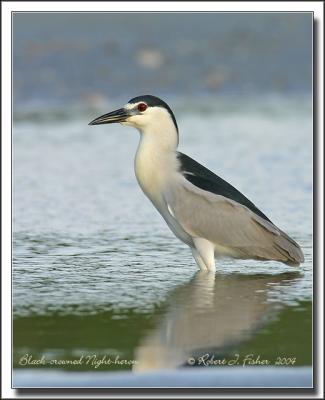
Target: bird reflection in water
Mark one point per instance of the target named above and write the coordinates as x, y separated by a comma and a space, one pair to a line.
211, 312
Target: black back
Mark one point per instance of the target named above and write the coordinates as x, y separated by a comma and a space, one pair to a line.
154, 101
207, 180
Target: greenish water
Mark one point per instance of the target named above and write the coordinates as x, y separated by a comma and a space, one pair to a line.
284, 340
96, 273
69, 337
289, 336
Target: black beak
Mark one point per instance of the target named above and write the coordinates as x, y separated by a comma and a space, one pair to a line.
119, 115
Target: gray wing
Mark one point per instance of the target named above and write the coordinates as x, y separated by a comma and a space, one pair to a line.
234, 228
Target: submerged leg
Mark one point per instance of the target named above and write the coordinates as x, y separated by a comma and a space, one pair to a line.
206, 252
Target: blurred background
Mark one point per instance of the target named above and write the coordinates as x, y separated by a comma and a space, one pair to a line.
95, 269
88, 58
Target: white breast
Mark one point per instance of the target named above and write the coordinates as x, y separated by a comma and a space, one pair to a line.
154, 168
156, 172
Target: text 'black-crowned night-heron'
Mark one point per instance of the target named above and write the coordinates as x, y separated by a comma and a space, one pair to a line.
204, 211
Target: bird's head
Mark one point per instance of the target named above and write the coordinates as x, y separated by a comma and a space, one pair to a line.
147, 113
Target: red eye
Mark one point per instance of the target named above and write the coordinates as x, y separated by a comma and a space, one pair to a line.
142, 107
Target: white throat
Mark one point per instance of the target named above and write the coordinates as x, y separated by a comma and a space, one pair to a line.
155, 160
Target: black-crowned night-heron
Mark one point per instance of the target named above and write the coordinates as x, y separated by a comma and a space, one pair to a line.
204, 211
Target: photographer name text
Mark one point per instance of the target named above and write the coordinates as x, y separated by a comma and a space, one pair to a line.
246, 360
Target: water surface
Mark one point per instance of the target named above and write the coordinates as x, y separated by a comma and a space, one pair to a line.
97, 272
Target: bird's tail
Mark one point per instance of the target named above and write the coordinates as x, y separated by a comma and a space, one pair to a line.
289, 249
281, 247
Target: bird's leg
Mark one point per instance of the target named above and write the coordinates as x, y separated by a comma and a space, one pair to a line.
198, 260
206, 252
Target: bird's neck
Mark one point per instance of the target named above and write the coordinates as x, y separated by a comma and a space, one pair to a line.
155, 161
160, 133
